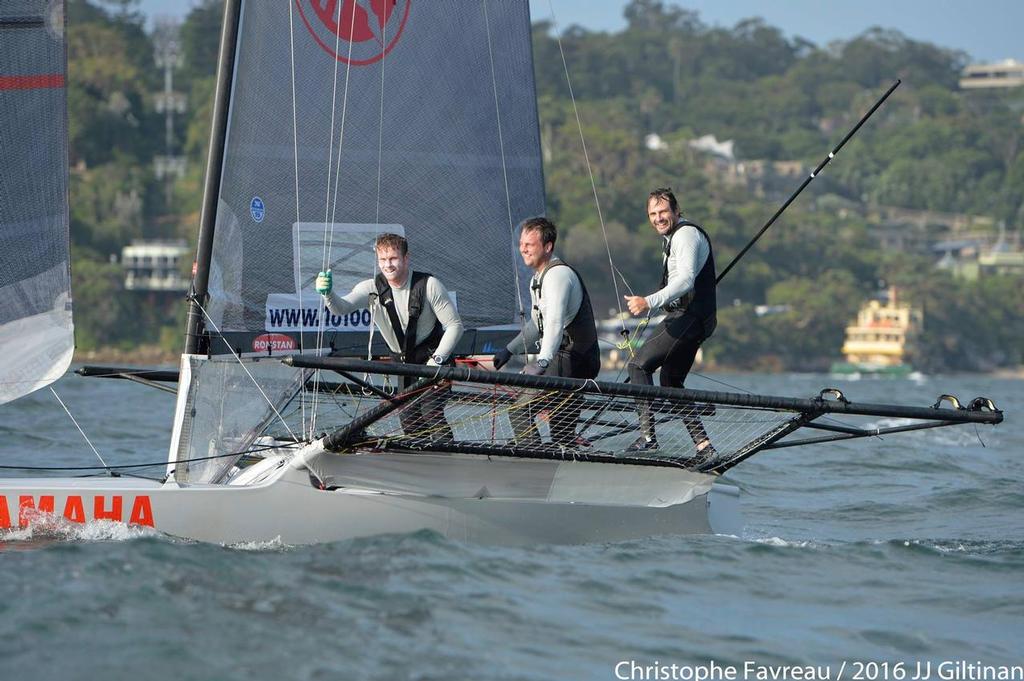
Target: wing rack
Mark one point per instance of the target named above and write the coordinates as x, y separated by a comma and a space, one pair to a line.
457, 409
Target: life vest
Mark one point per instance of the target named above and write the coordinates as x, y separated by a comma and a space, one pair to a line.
701, 300
579, 336
411, 353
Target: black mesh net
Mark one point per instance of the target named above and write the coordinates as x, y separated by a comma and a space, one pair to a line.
506, 420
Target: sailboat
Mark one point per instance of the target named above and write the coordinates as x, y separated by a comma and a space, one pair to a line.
333, 123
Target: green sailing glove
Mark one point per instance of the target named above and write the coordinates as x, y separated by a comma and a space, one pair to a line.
324, 283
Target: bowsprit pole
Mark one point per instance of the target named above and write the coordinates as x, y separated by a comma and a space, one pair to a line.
807, 181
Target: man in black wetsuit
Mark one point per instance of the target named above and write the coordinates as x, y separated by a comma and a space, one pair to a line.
687, 295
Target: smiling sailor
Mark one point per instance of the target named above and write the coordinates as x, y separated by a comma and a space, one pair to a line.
401, 299
687, 296
561, 330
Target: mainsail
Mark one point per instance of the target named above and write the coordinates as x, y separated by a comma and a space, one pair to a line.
36, 332
336, 122
348, 119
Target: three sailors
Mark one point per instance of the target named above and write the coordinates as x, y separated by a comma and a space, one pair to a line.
418, 320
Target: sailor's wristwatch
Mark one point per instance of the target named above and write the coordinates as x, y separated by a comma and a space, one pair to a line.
543, 363
438, 360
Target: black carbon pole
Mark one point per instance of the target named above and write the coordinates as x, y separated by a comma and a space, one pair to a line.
675, 395
807, 181
340, 438
195, 336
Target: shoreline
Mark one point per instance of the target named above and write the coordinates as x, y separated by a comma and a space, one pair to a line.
143, 356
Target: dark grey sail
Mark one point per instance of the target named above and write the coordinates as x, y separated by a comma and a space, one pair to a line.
408, 116
345, 119
36, 333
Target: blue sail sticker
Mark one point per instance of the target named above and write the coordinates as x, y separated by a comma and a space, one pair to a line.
257, 209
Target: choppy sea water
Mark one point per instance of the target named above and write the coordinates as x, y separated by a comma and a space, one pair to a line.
908, 548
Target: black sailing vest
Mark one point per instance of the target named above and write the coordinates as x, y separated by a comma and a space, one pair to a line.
701, 301
580, 335
411, 353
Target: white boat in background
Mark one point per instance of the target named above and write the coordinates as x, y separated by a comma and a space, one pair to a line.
410, 117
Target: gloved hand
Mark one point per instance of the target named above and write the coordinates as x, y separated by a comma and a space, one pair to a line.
501, 358
324, 283
534, 369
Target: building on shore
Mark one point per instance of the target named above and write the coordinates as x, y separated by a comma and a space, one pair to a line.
1008, 73
155, 265
881, 338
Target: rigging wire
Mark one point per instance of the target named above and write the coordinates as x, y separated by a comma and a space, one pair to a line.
341, 133
330, 153
154, 464
249, 374
332, 205
590, 170
504, 171
73, 420
380, 124
295, 154
380, 171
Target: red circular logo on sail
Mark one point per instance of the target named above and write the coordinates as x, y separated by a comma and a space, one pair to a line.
356, 32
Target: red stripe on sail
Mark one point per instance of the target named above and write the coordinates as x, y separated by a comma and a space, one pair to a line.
48, 80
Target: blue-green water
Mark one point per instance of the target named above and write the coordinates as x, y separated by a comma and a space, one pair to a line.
899, 549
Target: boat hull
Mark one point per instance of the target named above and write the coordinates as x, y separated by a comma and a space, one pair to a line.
287, 505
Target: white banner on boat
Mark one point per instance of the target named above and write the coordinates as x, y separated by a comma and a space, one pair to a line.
284, 313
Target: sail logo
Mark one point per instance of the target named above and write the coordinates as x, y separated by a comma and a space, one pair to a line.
257, 209
29, 508
273, 342
356, 32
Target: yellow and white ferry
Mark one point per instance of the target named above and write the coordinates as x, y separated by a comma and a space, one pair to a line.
881, 338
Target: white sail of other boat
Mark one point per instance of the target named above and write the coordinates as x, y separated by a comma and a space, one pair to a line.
36, 331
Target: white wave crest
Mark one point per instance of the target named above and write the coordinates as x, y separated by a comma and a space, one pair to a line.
787, 543
53, 527
274, 544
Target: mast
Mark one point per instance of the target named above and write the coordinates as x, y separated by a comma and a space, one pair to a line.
196, 338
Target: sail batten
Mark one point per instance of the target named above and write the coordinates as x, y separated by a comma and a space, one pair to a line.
36, 331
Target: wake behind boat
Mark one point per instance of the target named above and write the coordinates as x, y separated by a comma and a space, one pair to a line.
425, 127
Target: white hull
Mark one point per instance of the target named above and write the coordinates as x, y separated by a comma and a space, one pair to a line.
464, 497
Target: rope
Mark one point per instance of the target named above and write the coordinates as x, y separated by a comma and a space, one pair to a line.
134, 465
341, 133
330, 153
380, 125
504, 171
251, 377
295, 154
331, 207
590, 170
380, 170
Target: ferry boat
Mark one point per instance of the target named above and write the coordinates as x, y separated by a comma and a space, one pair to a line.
882, 337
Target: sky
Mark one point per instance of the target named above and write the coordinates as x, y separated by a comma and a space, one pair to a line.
988, 30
